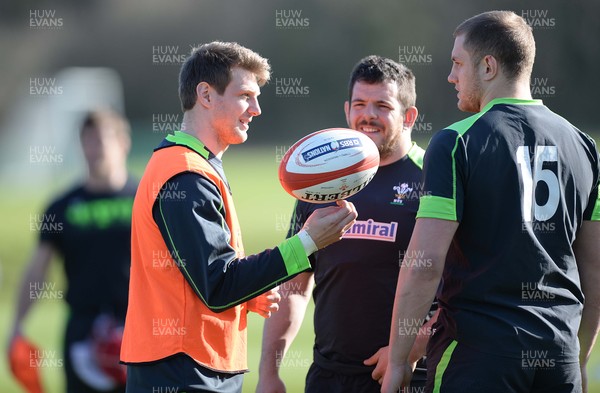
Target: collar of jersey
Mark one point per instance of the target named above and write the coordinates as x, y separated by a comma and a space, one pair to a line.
510, 101
415, 153
189, 141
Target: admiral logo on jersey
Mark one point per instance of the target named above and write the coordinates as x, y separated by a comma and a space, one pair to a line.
372, 230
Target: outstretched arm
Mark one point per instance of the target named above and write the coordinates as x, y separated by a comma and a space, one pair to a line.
194, 228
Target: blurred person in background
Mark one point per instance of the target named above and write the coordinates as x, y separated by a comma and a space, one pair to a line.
89, 228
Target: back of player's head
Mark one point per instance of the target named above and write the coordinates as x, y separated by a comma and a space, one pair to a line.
504, 35
101, 118
212, 63
376, 69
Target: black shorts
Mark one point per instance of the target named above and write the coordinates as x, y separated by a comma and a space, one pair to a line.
319, 380
179, 374
456, 368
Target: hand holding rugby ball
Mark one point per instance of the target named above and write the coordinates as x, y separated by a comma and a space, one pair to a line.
329, 165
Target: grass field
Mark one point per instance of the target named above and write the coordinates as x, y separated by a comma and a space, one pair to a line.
264, 210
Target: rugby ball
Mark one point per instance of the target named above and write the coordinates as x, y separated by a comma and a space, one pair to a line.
328, 165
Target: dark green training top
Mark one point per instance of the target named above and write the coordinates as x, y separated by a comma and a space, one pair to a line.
520, 180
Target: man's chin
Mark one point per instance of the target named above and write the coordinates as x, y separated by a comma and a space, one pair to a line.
242, 137
100, 170
463, 107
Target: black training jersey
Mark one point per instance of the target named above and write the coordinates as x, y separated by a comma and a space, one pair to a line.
520, 180
356, 277
92, 232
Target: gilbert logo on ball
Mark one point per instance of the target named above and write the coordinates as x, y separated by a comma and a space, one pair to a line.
328, 165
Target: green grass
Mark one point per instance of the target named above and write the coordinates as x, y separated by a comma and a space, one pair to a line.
264, 211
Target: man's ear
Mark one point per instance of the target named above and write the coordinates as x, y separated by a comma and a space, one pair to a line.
410, 116
204, 93
489, 68
347, 112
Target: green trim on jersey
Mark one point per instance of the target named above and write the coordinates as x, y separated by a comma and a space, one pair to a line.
187, 140
596, 211
416, 155
462, 126
442, 366
514, 101
432, 206
294, 255
443, 208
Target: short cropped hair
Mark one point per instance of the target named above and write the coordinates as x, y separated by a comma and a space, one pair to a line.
504, 35
212, 63
376, 69
105, 118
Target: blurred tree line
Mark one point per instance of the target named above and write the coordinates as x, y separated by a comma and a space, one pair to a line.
312, 45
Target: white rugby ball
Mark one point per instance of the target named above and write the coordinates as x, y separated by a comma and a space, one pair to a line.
328, 165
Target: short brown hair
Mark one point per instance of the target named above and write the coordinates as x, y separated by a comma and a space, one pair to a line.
504, 35
212, 63
376, 69
105, 117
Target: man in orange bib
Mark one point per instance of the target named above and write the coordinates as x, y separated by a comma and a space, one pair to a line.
191, 285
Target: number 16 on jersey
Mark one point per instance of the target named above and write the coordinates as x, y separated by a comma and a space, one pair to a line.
531, 177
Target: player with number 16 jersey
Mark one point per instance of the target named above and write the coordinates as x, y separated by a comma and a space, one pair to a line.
516, 152
510, 222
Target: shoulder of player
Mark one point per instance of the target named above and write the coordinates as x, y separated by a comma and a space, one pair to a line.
587, 139
131, 185
59, 203
488, 115
463, 130
76, 191
416, 155
193, 184
462, 126
446, 137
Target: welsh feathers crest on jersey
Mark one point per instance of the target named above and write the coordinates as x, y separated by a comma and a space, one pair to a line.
401, 193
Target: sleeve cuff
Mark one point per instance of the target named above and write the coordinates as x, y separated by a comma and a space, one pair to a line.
431, 206
294, 255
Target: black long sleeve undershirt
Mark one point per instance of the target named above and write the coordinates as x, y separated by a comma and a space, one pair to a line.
190, 215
